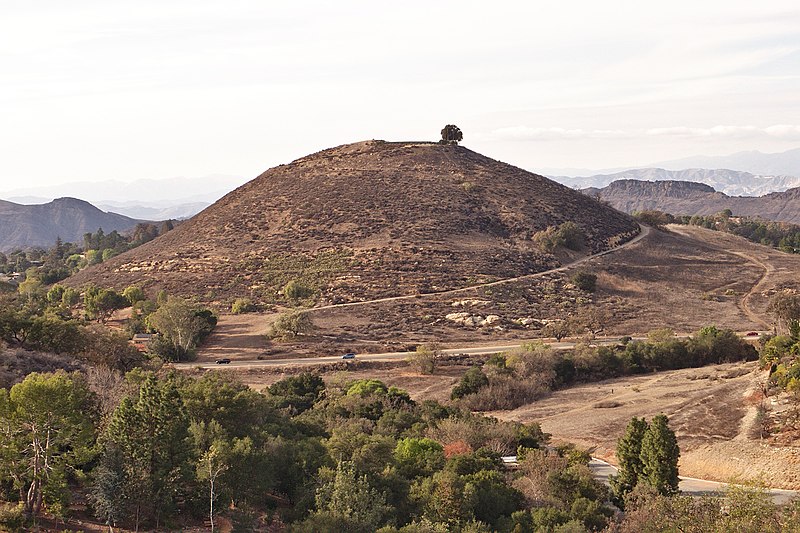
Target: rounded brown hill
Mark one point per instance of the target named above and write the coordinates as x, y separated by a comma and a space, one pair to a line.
366, 220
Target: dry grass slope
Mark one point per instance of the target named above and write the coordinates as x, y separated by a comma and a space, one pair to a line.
366, 220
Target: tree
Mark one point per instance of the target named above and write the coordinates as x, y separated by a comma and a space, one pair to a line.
558, 329
351, 498
785, 307
298, 392
212, 464
424, 358
48, 424
30, 289
100, 304
179, 324
629, 449
151, 434
451, 134
659, 456
418, 457
471, 382
291, 324
134, 294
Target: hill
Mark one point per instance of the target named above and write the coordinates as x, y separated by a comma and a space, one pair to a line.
366, 220
24, 226
689, 198
730, 182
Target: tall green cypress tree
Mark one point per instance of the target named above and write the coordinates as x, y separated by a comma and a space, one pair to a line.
629, 448
660, 455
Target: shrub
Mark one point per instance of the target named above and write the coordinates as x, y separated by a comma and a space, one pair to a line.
424, 358
584, 281
295, 290
572, 235
471, 382
242, 305
548, 239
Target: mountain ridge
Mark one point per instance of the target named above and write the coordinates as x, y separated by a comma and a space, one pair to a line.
731, 182
692, 198
39, 225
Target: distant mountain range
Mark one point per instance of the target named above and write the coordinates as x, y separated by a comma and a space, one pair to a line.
690, 198
152, 199
730, 182
24, 226
778, 164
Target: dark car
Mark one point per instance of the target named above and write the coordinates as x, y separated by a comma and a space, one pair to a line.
752, 334
349, 356
223, 361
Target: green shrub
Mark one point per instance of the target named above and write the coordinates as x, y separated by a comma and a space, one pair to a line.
242, 305
584, 281
471, 382
295, 290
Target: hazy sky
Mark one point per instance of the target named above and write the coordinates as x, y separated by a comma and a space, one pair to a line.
95, 90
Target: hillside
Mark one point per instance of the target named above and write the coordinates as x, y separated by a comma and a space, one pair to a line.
366, 220
23, 226
687, 198
730, 182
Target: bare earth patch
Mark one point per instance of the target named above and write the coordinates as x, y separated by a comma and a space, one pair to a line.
707, 408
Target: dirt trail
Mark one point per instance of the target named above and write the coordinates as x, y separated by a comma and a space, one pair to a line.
242, 336
744, 303
644, 231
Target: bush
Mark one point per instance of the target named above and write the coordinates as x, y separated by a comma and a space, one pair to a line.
471, 382
243, 305
424, 358
569, 235
295, 290
584, 281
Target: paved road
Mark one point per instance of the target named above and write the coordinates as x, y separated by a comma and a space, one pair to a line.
401, 356
602, 470
387, 356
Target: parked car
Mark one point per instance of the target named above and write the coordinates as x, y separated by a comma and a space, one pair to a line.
752, 334
223, 361
349, 356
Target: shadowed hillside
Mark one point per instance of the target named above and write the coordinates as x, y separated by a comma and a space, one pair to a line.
689, 198
24, 226
366, 220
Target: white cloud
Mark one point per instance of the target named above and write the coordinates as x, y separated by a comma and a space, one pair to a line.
785, 132
525, 133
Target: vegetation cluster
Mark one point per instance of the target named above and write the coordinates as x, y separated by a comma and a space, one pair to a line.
64, 259
518, 377
781, 235
355, 455
62, 320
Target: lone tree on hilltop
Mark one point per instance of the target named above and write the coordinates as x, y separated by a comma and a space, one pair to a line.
451, 134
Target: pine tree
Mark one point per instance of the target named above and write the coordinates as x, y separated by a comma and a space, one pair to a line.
629, 448
151, 434
660, 455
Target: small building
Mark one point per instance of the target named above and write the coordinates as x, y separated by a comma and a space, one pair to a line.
141, 341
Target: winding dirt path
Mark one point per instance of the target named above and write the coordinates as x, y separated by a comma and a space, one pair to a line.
744, 303
644, 231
